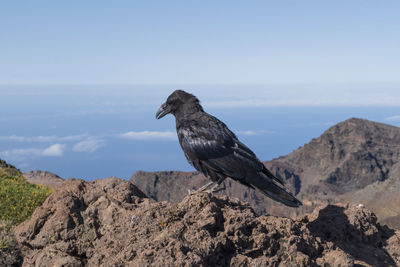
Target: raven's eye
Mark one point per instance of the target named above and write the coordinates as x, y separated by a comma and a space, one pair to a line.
173, 102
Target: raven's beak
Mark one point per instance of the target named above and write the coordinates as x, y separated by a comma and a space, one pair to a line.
162, 111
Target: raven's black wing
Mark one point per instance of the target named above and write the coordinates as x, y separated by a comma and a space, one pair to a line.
212, 148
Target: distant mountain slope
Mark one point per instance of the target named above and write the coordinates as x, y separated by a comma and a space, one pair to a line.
383, 197
356, 160
44, 178
348, 156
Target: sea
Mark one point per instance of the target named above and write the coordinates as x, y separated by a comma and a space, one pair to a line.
98, 131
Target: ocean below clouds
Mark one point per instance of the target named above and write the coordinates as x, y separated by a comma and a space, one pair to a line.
93, 132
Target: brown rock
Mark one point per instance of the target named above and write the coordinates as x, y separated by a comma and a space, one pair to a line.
336, 257
111, 223
10, 252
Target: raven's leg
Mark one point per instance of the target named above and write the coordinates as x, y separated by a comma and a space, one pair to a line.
215, 187
204, 187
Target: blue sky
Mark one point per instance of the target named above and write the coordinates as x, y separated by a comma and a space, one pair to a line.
199, 42
80, 81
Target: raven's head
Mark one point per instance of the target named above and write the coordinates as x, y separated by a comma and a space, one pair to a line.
178, 102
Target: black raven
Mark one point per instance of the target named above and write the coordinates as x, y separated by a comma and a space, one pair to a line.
215, 150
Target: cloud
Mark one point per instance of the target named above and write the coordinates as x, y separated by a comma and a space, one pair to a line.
55, 150
90, 145
250, 103
248, 133
253, 133
393, 118
324, 96
21, 152
149, 135
43, 138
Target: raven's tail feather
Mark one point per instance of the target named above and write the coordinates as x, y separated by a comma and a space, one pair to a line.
270, 175
270, 188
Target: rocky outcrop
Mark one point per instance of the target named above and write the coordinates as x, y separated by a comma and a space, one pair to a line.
173, 186
44, 178
111, 223
355, 161
10, 252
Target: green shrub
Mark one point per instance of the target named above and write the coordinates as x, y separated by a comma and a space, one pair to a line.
19, 198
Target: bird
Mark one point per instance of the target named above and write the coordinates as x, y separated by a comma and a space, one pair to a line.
213, 149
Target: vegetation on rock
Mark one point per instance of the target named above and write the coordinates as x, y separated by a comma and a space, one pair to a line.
18, 198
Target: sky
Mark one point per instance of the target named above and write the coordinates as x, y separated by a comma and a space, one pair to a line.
80, 81
199, 42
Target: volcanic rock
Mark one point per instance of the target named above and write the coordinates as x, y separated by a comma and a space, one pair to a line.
111, 223
10, 252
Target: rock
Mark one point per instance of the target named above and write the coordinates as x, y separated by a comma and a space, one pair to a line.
336, 257
10, 252
393, 247
9, 168
111, 223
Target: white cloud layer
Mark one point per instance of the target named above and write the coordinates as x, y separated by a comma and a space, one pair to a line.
170, 135
300, 95
55, 150
43, 138
253, 133
149, 135
311, 102
90, 145
393, 118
